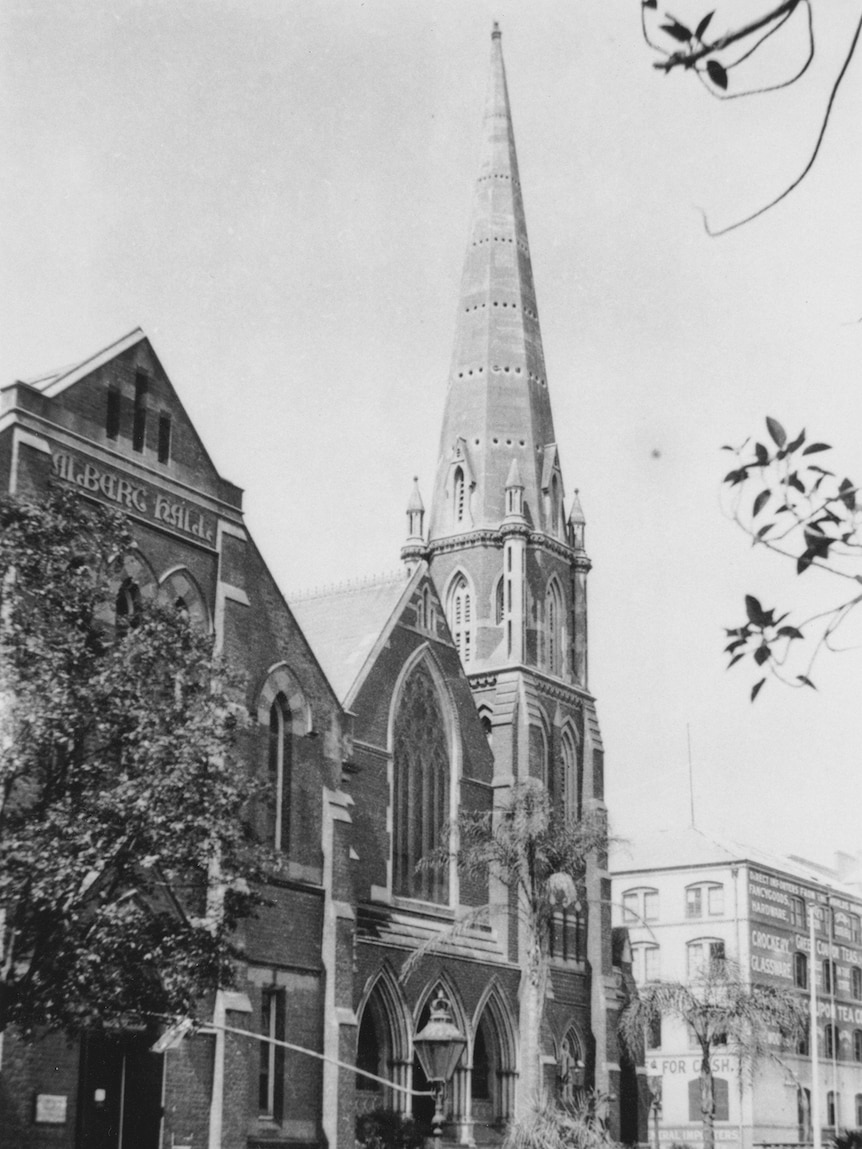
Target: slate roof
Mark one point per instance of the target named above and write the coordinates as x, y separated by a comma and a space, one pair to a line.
387, 926
343, 624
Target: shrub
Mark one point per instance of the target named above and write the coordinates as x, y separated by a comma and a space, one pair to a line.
389, 1129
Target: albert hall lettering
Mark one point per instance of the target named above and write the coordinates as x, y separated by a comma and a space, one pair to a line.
133, 497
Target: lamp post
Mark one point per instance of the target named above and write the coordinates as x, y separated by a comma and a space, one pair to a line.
439, 1046
816, 1128
654, 1081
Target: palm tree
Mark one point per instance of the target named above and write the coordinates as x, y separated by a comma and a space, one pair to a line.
721, 1010
542, 856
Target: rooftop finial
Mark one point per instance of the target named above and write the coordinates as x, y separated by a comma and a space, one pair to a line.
495, 31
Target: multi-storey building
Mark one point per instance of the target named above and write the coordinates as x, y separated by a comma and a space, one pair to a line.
686, 896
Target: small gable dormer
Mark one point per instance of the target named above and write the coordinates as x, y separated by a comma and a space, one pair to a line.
552, 491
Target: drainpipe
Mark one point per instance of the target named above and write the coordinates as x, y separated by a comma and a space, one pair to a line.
217, 1098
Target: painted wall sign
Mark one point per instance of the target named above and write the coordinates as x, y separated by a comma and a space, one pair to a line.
688, 1066
136, 497
689, 1134
50, 1109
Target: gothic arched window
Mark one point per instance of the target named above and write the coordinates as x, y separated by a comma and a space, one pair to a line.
461, 618
554, 628
128, 605
571, 1068
421, 789
500, 601
179, 589
571, 795
280, 762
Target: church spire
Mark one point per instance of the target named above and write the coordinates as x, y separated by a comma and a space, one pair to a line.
497, 406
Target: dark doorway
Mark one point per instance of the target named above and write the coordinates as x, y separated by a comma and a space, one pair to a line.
120, 1103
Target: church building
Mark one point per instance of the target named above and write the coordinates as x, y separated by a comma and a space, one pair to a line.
378, 710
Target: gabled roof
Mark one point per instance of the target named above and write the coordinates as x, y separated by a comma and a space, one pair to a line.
346, 624
51, 383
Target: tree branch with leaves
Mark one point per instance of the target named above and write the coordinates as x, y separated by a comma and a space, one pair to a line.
787, 502
126, 855
726, 60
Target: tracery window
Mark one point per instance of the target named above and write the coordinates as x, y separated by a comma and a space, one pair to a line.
461, 618
421, 788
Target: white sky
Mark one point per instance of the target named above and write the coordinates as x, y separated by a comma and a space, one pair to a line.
278, 193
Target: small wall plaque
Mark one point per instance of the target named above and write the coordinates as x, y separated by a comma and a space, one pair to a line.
50, 1109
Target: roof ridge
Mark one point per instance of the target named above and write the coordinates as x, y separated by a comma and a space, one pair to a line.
349, 586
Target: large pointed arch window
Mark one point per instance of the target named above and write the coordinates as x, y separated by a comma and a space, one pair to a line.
461, 618
280, 762
421, 788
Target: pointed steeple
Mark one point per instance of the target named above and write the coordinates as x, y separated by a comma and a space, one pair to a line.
497, 407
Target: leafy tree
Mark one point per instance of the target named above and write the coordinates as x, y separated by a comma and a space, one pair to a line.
732, 54
786, 501
125, 860
542, 858
724, 1013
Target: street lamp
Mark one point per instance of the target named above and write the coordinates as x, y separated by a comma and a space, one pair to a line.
654, 1081
439, 1047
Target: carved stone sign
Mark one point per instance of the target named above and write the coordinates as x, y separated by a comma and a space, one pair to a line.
135, 496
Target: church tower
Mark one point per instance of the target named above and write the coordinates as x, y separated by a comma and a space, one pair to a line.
509, 563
